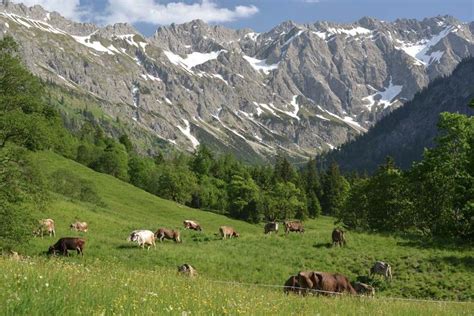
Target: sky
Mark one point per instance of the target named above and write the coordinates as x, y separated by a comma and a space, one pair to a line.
259, 15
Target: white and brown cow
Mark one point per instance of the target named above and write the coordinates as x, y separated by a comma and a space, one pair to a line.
79, 226
381, 268
363, 289
45, 226
271, 227
227, 231
189, 224
187, 269
143, 237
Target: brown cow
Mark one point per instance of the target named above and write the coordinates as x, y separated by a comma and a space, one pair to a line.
363, 289
45, 225
324, 283
292, 285
228, 231
187, 269
189, 224
293, 226
67, 243
165, 233
338, 237
79, 226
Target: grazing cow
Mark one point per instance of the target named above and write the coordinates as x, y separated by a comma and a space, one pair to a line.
142, 238
271, 227
293, 226
292, 285
227, 231
189, 224
15, 256
381, 268
164, 233
338, 237
45, 225
363, 289
187, 269
79, 226
67, 243
324, 283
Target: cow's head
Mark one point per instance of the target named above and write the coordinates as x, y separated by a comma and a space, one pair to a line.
52, 250
236, 234
132, 237
177, 236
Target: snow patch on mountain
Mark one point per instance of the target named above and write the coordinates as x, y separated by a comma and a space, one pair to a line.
419, 50
130, 39
192, 60
293, 37
95, 45
186, 130
260, 64
385, 97
252, 36
351, 32
135, 95
29, 23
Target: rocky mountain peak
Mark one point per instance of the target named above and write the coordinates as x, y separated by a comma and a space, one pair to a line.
118, 29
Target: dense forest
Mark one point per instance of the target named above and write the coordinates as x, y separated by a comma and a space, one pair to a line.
434, 198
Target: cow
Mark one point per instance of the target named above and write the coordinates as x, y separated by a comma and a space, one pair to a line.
381, 268
338, 237
292, 285
143, 237
324, 283
67, 243
79, 226
363, 289
15, 256
164, 233
187, 269
189, 224
227, 231
45, 225
293, 226
271, 227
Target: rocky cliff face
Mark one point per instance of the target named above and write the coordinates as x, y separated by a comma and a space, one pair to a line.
407, 131
300, 89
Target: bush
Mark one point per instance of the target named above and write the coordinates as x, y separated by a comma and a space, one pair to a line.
21, 186
68, 184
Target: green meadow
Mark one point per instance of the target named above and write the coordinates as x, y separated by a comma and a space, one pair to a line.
117, 277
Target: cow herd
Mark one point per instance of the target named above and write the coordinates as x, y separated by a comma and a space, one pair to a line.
303, 283
322, 282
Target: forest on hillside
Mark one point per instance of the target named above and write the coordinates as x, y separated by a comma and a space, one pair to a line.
434, 198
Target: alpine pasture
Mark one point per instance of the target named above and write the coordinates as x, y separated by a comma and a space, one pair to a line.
236, 276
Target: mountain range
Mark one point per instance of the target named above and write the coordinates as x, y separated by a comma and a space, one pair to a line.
408, 130
301, 89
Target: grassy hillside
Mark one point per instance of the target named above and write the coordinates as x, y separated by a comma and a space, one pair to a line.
117, 273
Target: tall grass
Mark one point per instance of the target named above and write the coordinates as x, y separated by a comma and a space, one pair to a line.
60, 287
